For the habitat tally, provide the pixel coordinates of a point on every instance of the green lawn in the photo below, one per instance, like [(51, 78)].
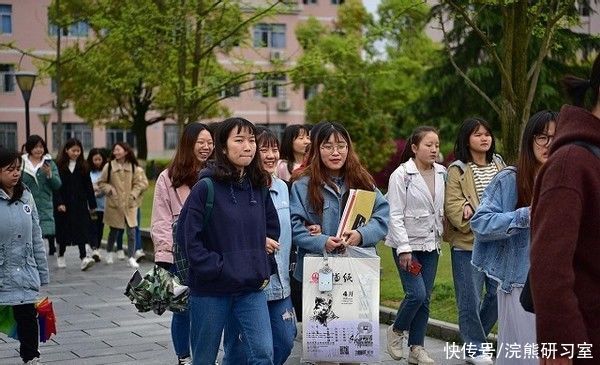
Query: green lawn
[(443, 305)]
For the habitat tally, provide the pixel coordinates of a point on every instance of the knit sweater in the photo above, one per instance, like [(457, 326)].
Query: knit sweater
[(565, 254)]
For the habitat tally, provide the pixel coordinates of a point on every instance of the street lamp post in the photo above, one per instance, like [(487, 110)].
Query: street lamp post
[(44, 118), (26, 80)]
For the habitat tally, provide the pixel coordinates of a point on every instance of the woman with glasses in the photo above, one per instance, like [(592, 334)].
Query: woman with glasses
[(475, 166), (502, 234), (317, 197), (416, 196)]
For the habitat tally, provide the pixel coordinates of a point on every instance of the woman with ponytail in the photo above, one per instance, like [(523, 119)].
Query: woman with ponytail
[(565, 225)]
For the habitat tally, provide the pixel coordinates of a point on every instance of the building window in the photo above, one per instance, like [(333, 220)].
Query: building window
[(269, 35), (276, 128), (270, 86), (5, 19), (53, 85), (7, 79), (232, 91), (8, 135), (583, 7), (81, 131), (307, 2), (171, 136), (337, 2), (114, 135), (310, 91), (77, 29)]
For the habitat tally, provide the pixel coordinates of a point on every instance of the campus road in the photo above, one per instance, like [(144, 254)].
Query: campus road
[(97, 324)]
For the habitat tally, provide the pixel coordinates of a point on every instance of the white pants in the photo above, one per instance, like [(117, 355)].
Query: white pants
[(516, 331)]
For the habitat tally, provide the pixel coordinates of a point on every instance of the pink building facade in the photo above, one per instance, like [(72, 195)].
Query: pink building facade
[(25, 24)]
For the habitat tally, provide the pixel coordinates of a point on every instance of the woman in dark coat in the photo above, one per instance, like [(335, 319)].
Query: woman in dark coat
[(74, 202)]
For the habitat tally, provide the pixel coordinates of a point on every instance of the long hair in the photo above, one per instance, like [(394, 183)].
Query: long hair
[(462, 151), (415, 138), (527, 165), (577, 88), (32, 141), (355, 175), (312, 149), (63, 158), (224, 169), (10, 159), (290, 133), (90, 159), (129, 157), (183, 169)]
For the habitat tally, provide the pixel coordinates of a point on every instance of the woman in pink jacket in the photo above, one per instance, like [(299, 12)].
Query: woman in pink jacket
[(172, 189)]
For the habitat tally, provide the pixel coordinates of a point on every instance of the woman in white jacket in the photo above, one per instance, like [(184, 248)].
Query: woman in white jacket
[(416, 198)]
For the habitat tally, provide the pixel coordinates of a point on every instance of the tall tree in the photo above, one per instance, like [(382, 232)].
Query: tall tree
[(504, 52), (361, 82)]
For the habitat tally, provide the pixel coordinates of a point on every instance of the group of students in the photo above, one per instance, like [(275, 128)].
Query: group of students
[(221, 203), (71, 196)]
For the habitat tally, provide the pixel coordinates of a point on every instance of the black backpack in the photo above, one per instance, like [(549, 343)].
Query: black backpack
[(525, 298)]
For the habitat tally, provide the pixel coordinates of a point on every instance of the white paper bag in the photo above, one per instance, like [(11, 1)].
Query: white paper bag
[(341, 325)]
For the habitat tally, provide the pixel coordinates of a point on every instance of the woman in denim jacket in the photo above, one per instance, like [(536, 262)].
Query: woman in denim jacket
[(23, 263), (416, 196), (502, 234), (317, 198)]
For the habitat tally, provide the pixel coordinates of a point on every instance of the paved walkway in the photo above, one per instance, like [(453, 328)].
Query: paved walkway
[(98, 325)]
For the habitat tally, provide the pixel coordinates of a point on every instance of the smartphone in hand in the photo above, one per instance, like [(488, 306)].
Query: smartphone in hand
[(415, 267)]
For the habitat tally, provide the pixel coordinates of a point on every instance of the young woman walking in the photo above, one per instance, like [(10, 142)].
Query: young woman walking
[(40, 174), (229, 266), (502, 234), (416, 197), (172, 189), (475, 166), (281, 311), (74, 201), (96, 161), (293, 149), (123, 182), (23, 262)]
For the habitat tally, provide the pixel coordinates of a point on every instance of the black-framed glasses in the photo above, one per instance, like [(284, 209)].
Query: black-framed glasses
[(543, 140)]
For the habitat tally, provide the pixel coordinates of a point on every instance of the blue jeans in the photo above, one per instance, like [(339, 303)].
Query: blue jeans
[(413, 313), (209, 314), (180, 333), (283, 329), (476, 315)]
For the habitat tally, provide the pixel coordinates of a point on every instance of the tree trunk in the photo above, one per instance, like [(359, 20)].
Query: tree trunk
[(139, 130), (181, 66)]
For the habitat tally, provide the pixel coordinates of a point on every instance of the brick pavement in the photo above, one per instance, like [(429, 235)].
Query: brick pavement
[(98, 325)]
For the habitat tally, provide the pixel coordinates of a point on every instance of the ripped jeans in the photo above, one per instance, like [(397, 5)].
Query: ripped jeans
[(283, 327)]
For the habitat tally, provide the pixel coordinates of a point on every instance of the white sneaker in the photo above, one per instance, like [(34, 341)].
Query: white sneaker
[(60, 262), (184, 361), (395, 343), (35, 361), (482, 359), (110, 258), (86, 263), (96, 255), (133, 263), (419, 356), (121, 255), (138, 254)]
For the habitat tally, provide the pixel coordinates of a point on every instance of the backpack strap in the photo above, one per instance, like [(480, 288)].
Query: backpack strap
[(588, 146)]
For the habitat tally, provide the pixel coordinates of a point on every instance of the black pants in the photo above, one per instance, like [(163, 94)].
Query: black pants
[(296, 296), (28, 331), (63, 248), (51, 245), (96, 230)]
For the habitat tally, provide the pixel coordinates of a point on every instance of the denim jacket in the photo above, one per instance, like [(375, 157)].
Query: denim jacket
[(23, 263), (501, 247), (304, 214), (279, 285)]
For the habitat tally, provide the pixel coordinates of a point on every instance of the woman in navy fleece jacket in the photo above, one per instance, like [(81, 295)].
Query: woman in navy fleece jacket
[(229, 265)]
